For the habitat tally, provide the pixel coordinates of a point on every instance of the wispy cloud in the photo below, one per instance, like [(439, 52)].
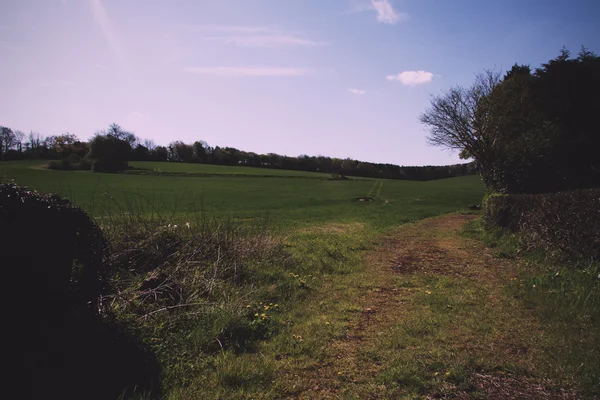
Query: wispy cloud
[(103, 20), (357, 91), (238, 72), (411, 78), (386, 14), (255, 36)]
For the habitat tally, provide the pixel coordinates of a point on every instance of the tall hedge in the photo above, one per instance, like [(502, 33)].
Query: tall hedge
[(567, 222)]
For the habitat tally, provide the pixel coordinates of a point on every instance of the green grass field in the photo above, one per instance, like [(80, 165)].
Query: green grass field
[(334, 297), (289, 198), (320, 233)]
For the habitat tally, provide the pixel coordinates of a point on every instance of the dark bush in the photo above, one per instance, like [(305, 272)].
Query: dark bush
[(110, 152), (61, 344), (108, 165), (564, 222), (85, 164), (74, 158), (60, 165)]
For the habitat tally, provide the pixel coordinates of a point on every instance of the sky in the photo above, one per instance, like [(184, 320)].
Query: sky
[(339, 78)]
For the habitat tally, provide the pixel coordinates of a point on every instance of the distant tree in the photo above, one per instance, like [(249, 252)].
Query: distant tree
[(149, 144), (121, 134), (181, 152), (160, 153), (110, 153), (34, 143), (63, 144), (200, 151), (141, 153), (7, 140), (19, 138)]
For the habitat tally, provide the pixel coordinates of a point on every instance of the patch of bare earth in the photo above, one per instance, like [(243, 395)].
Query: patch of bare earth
[(430, 247)]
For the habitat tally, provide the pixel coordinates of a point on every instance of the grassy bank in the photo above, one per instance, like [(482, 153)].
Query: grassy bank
[(564, 295)]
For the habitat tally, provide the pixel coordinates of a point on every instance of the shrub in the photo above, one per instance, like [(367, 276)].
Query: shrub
[(62, 344), (74, 158), (108, 165), (85, 164), (110, 152), (60, 165), (564, 222)]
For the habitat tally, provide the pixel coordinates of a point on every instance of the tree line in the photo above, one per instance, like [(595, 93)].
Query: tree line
[(110, 150), (528, 131)]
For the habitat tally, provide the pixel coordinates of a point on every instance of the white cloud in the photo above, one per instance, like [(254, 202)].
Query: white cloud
[(411, 78), (385, 12), (237, 72), (357, 91), (254, 36)]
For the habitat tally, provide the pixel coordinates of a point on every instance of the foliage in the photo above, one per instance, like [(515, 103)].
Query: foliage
[(7, 138), (454, 121), (84, 164), (564, 222), (61, 165), (527, 132), (564, 294), (125, 146), (110, 153), (73, 162)]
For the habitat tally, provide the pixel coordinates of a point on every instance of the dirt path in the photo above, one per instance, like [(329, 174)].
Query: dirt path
[(433, 319)]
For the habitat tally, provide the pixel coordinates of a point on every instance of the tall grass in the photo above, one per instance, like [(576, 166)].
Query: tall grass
[(196, 287), (564, 293)]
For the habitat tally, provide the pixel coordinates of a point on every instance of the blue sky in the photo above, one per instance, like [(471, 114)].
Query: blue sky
[(341, 78)]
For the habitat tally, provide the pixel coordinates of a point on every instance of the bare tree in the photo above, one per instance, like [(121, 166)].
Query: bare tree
[(35, 141), (149, 144), (458, 119), (19, 137), (7, 140)]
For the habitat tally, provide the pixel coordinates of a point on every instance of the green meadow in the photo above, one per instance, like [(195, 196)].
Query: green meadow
[(293, 285), (287, 198), (302, 285)]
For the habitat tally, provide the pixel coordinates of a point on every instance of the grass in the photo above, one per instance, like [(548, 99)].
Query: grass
[(222, 347), (298, 202), (285, 285), (564, 295), (185, 168)]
